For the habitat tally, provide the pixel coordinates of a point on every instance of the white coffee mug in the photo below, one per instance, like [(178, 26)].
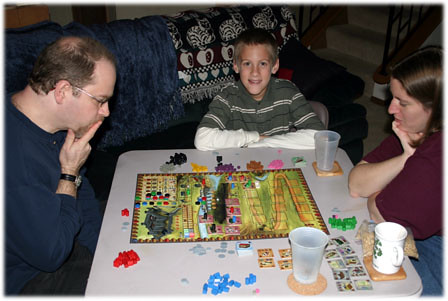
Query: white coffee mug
[(388, 251)]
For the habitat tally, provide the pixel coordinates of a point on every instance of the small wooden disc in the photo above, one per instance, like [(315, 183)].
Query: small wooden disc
[(307, 289)]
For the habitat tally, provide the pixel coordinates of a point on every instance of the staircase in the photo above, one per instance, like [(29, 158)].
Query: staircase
[(357, 43)]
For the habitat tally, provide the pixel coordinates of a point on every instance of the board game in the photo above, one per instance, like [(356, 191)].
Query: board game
[(217, 206)]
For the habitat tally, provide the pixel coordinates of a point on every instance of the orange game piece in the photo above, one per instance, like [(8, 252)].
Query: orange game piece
[(254, 165)]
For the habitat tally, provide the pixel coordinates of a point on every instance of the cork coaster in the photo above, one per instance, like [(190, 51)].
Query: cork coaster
[(336, 171), (307, 289), (377, 276)]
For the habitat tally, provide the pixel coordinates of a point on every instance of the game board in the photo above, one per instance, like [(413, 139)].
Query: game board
[(215, 206)]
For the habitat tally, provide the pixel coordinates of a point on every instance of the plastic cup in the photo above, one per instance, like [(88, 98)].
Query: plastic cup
[(326, 144), (308, 246)]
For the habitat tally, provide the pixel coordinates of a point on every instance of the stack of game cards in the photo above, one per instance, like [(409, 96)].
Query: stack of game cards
[(347, 269)]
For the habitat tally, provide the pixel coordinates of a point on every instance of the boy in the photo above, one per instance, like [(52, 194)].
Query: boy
[(258, 111)]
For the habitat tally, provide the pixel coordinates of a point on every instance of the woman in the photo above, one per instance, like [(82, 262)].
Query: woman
[(402, 178)]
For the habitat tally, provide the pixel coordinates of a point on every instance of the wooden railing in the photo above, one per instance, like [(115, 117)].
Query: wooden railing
[(408, 30), (305, 22), (316, 20)]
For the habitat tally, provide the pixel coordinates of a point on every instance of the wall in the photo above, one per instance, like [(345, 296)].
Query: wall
[(435, 39), (138, 11), (61, 14)]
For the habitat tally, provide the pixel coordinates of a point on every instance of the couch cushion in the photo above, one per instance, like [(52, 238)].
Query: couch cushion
[(193, 112), (22, 46), (354, 130), (204, 43), (346, 114), (340, 90), (146, 95), (354, 150), (310, 72)]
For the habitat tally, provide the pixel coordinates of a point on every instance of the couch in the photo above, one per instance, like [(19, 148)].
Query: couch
[(169, 69)]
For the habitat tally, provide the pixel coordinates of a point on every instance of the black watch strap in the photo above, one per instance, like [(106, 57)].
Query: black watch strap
[(71, 178)]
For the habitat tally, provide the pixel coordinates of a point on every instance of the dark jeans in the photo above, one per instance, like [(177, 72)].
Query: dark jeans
[(429, 266), (69, 279)]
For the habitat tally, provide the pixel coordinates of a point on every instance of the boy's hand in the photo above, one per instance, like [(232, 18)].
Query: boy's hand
[(75, 151)]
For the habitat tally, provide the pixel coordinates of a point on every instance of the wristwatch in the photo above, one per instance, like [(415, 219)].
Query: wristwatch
[(75, 179)]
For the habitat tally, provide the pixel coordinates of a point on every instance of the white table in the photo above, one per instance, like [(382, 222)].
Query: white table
[(172, 269)]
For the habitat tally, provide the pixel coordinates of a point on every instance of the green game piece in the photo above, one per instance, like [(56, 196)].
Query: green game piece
[(298, 161)]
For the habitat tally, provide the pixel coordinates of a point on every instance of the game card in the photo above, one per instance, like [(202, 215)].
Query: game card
[(285, 264), (285, 253), (232, 202), (339, 241), (345, 250), (341, 275), (209, 219), (351, 260), (336, 264), (244, 248), (345, 286), (216, 229), (263, 253), (362, 285), (266, 263), (357, 271), (233, 211), (331, 253), (232, 230), (235, 220)]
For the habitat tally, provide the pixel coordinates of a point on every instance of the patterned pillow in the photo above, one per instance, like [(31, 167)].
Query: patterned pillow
[(204, 43)]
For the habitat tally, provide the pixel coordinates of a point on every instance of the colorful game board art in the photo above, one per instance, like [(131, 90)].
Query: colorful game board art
[(241, 205)]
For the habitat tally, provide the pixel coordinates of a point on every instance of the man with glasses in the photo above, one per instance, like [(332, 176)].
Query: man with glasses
[(52, 217)]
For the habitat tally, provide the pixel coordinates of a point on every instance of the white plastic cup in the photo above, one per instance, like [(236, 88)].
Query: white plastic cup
[(388, 254), (308, 246), (326, 144)]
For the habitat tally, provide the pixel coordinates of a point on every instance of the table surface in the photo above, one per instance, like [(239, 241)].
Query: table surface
[(172, 269)]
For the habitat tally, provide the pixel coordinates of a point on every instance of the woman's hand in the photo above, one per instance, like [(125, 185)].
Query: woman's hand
[(405, 138)]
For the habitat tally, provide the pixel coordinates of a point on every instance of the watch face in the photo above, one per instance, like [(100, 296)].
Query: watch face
[(78, 181)]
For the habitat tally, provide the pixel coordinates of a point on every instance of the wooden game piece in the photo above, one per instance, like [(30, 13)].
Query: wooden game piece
[(254, 166)]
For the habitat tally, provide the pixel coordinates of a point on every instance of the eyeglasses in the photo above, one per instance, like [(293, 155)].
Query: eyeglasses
[(100, 101)]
